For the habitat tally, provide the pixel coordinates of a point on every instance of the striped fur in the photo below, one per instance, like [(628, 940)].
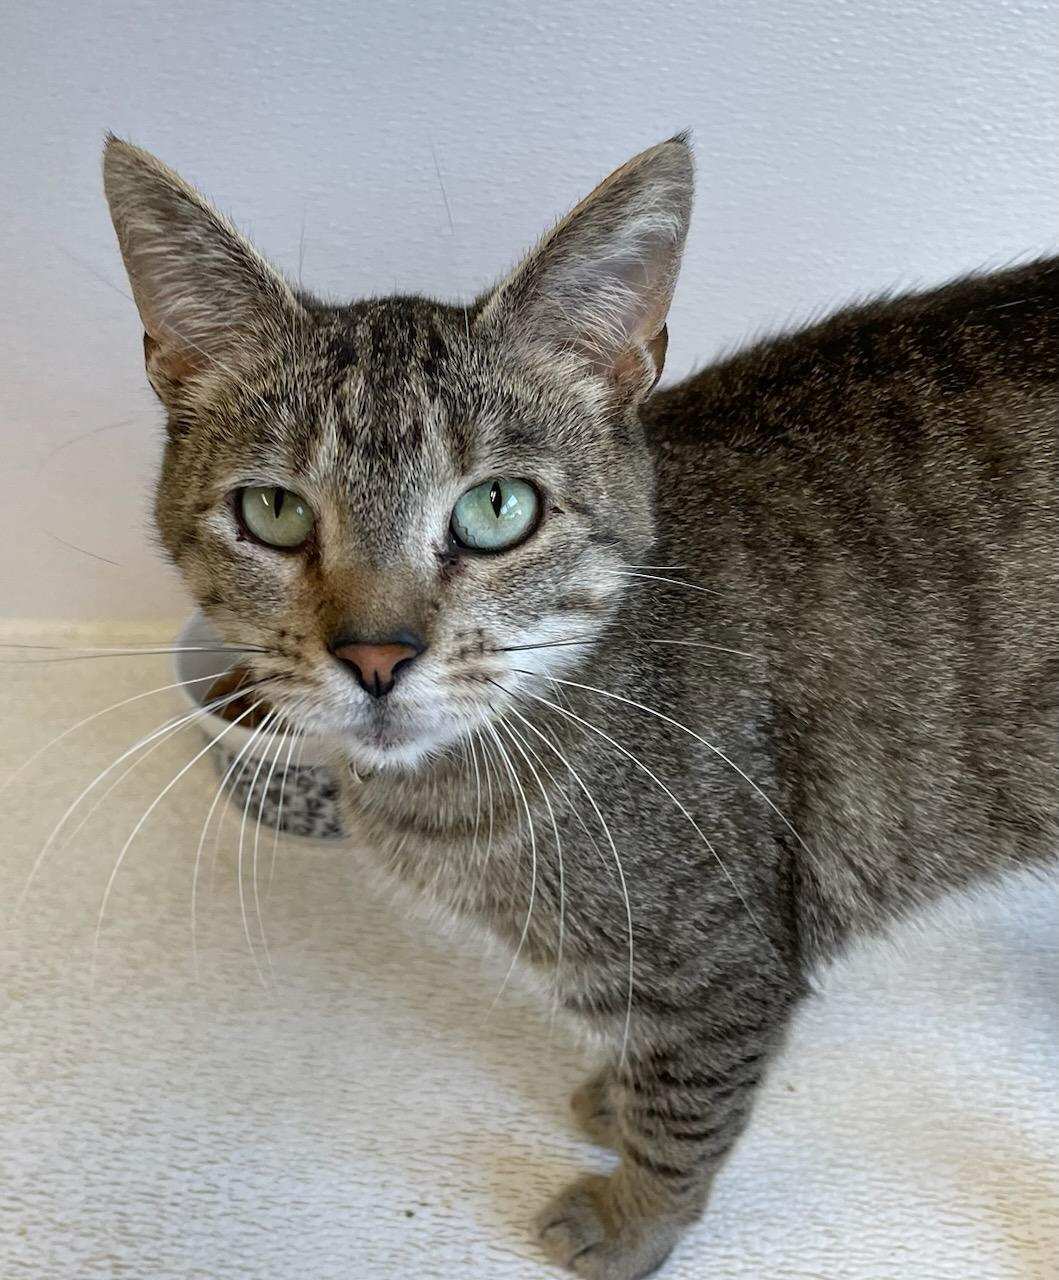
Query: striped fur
[(780, 664)]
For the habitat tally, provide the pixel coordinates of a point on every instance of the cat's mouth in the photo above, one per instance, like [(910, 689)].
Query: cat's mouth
[(399, 741), (388, 735)]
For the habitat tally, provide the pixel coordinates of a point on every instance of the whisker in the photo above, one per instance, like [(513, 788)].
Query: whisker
[(559, 644), (495, 759), (617, 862), (561, 696), (301, 247), (477, 792), (487, 761), (72, 546), (83, 435), (702, 644), (544, 644), (660, 715), (533, 862), (133, 648), (294, 739), (223, 789), (268, 722), (282, 730), (81, 655), (167, 728), (676, 582), (522, 749), (575, 811), (441, 184), (98, 804), (143, 820), (219, 832), (114, 706), (629, 755)]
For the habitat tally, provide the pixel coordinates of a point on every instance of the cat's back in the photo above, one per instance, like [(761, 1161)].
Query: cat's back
[(901, 438), (910, 368)]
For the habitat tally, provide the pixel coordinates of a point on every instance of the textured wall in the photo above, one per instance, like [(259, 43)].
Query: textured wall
[(843, 148)]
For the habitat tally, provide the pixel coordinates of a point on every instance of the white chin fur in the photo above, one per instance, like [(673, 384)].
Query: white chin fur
[(404, 756), (406, 752)]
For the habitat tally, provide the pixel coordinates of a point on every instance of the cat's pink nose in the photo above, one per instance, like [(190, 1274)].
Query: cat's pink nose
[(377, 666)]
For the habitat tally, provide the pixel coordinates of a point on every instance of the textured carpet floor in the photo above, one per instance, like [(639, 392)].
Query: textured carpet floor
[(365, 1118)]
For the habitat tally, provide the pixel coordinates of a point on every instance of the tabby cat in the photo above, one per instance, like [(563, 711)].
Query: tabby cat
[(676, 692)]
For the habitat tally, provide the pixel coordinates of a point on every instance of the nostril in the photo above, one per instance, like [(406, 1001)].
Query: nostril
[(377, 665)]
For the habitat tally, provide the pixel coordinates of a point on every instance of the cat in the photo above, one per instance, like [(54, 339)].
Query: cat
[(676, 692)]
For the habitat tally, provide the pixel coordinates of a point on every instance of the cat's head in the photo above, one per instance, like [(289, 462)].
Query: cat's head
[(398, 502)]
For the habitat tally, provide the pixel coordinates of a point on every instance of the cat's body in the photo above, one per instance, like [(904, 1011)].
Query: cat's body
[(793, 666), (880, 505)]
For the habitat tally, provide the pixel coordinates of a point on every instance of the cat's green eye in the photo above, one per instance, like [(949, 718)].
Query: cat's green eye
[(495, 514), (275, 516)]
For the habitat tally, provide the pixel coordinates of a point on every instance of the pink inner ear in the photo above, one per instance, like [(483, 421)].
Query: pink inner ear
[(605, 294), (173, 362), (634, 370), (656, 349)]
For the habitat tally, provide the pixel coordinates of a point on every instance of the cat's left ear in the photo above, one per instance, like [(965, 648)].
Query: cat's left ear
[(203, 292), (597, 289)]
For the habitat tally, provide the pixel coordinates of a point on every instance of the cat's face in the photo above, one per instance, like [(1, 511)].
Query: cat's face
[(466, 484), (380, 418)]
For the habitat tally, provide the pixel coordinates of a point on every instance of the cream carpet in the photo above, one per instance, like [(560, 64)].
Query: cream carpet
[(364, 1117)]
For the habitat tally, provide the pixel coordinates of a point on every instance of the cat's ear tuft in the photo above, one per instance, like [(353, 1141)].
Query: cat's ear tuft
[(598, 286), (200, 286)]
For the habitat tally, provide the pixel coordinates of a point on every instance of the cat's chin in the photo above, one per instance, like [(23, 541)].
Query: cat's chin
[(396, 758), (398, 749)]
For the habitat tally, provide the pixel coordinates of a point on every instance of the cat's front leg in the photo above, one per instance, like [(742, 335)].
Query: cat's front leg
[(594, 1110), (678, 1108)]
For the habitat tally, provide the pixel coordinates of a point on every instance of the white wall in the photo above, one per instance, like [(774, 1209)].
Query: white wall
[(844, 146)]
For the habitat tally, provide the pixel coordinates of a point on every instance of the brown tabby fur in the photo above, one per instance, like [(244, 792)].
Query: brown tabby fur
[(780, 663)]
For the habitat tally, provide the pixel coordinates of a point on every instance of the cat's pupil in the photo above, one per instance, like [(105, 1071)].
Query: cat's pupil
[(279, 496), (496, 499)]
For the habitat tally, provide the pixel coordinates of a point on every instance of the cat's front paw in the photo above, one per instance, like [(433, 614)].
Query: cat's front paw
[(584, 1229)]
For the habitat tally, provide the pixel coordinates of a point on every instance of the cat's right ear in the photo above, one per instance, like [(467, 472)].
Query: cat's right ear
[(591, 300), (200, 286)]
